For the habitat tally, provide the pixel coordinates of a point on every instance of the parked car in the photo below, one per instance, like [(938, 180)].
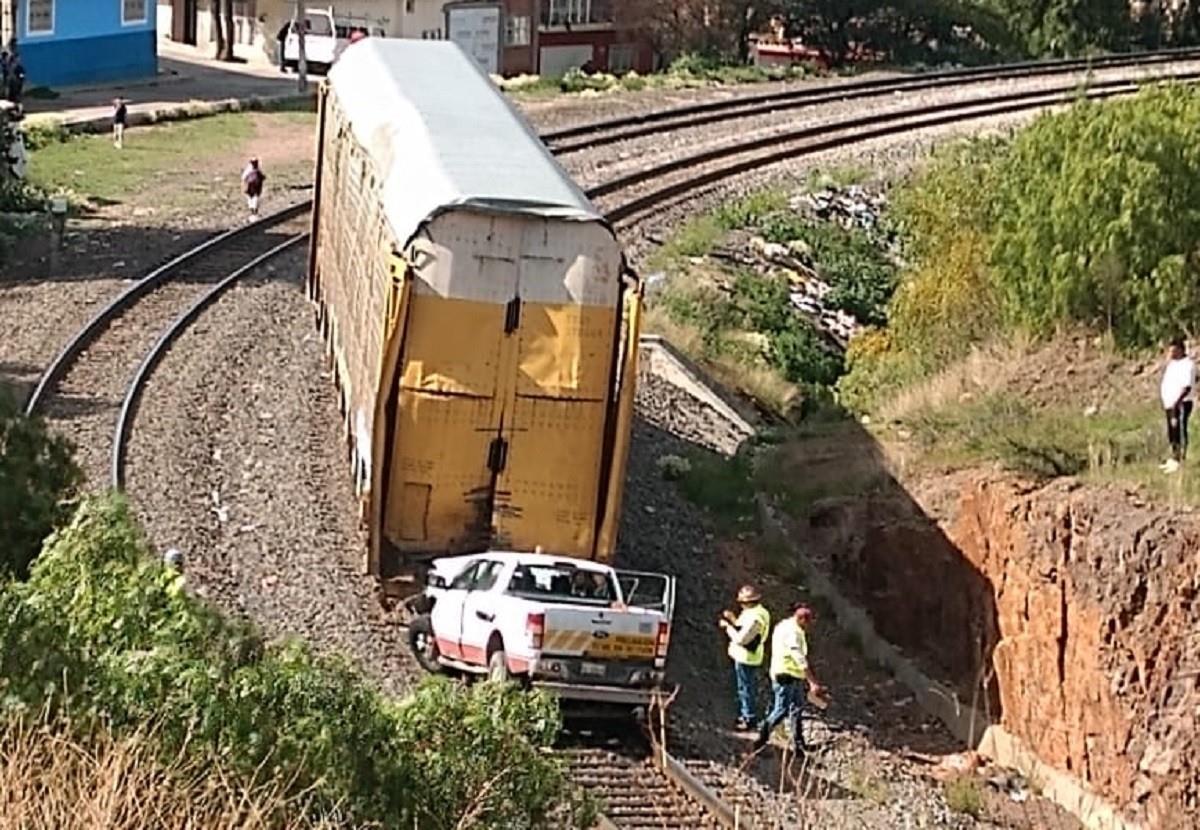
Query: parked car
[(578, 629), (326, 36)]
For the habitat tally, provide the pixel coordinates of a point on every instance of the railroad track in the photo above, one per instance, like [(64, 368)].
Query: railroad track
[(610, 131), (641, 787), (104, 365)]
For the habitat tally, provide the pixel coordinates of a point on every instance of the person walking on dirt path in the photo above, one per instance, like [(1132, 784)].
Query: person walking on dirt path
[(252, 183), (281, 40), (120, 117), (791, 678), (747, 633), (1178, 378)]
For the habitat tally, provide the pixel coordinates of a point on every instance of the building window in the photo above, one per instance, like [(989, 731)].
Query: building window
[(410, 6), (133, 11), (40, 17), (576, 12), (516, 31)]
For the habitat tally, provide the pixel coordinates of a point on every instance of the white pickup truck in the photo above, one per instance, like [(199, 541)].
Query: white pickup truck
[(326, 36), (578, 629)]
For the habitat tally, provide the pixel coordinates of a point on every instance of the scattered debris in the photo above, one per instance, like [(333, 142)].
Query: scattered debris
[(849, 207)]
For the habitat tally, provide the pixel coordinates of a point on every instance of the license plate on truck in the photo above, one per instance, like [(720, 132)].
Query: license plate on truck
[(592, 669)]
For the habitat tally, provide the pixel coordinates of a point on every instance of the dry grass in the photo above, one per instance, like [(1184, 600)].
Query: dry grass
[(51, 780), (985, 370), (761, 383)]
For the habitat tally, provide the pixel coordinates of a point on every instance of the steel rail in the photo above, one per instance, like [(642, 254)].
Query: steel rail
[(715, 111), (79, 342), (867, 128), (133, 392), (651, 787)]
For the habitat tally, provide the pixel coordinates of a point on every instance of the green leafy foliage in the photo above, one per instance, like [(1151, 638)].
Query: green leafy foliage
[(748, 211), (760, 307), (861, 277), (1068, 27), (1097, 218), (1087, 217), (37, 478), (106, 633), (724, 487)]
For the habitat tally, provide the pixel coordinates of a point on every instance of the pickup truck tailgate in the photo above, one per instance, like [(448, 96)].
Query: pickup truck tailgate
[(601, 633)]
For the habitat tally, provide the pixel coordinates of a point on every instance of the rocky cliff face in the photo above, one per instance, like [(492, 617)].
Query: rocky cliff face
[(1067, 612)]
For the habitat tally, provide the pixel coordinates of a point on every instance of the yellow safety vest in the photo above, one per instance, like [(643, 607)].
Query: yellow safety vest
[(762, 621), (789, 650)]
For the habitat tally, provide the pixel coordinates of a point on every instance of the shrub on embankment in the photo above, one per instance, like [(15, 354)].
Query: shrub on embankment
[(104, 635), (1089, 216), (37, 476)]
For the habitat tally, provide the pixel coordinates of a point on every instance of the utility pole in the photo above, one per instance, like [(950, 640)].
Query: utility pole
[(10, 10), (301, 61)]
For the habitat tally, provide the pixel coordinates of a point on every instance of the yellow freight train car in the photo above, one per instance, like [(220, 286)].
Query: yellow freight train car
[(480, 319)]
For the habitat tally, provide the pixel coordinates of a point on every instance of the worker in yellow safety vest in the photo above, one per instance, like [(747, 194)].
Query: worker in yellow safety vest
[(747, 633), (791, 677)]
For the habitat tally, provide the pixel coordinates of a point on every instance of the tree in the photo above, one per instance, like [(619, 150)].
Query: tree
[(1068, 27), (37, 477), (1096, 218)]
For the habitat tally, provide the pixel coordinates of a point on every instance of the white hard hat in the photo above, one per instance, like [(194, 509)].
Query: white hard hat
[(173, 558)]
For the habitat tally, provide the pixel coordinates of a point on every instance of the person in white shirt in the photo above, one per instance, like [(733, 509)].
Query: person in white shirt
[(1177, 381)]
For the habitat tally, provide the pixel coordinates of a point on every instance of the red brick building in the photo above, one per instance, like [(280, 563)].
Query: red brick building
[(548, 37)]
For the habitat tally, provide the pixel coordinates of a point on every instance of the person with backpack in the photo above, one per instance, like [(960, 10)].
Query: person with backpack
[(252, 183), (747, 634)]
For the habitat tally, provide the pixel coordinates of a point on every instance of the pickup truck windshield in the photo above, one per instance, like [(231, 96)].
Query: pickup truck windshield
[(563, 583)]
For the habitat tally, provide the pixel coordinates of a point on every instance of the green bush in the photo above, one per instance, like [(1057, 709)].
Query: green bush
[(1097, 220), (106, 633), (751, 210), (45, 133), (861, 277), (723, 487), (37, 479), (576, 80), (964, 795)]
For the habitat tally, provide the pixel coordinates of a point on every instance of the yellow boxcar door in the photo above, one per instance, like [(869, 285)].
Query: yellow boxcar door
[(548, 491), (449, 409)]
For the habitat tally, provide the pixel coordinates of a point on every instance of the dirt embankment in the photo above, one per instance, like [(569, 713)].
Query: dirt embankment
[(1067, 612)]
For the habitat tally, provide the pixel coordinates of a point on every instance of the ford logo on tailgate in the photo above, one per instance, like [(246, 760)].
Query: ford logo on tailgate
[(600, 635)]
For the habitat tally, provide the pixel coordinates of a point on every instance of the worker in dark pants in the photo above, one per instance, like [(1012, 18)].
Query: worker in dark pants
[(16, 78), (1177, 381), (791, 678), (281, 41)]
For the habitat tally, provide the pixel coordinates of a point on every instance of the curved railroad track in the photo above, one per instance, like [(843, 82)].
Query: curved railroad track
[(610, 131), (93, 374), (104, 367)]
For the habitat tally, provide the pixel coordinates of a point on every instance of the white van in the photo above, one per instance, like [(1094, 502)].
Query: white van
[(326, 35)]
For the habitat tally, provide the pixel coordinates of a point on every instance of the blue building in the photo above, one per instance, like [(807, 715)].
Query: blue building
[(71, 42)]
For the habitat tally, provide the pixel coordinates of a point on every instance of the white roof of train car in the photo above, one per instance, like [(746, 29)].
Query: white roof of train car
[(443, 136)]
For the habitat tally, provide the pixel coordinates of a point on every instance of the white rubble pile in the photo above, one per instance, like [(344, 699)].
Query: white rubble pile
[(852, 207)]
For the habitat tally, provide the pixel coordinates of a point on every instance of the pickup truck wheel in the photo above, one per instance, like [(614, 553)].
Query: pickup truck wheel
[(424, 644), (498, 667)]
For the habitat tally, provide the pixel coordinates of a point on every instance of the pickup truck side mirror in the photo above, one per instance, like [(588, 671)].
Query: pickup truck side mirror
[(435, 580)]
